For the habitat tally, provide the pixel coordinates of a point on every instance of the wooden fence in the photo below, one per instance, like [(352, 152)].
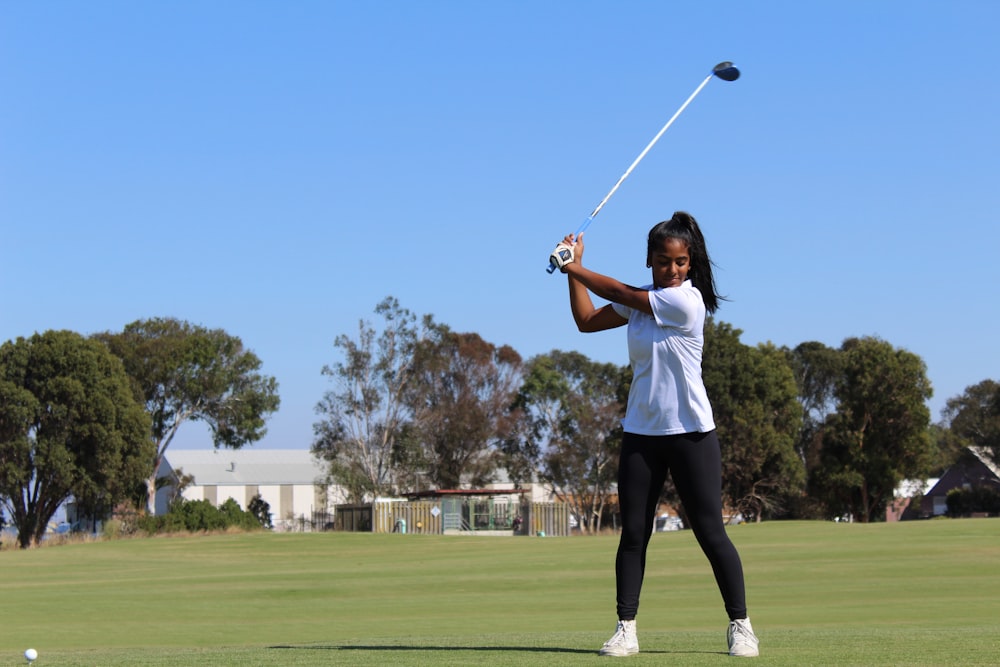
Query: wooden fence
[(452, 516), (547, 519), (407, 517)]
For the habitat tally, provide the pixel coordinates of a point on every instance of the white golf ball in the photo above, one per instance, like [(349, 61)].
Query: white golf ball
[(31, 655)]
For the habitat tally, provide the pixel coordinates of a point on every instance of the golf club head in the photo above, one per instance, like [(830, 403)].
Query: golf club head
[(726, 71)]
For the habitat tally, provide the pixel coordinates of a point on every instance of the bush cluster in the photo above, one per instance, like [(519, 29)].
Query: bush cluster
[(201, 516), (975, 500)]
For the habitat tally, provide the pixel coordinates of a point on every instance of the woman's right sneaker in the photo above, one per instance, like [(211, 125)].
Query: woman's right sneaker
[(742, 641), (623, 642)]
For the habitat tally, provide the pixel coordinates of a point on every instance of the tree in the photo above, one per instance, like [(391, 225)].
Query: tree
[(949, 447), (816, 368), (757, 415), (261, 510), (69, 427), (574, 408), (974, 417), (362, 435), (879, 434), (184, 372), (460, 403)]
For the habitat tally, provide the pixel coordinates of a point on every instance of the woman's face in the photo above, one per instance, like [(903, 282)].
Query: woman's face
[(670, 263)]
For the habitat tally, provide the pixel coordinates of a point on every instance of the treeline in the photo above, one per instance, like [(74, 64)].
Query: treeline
[(808, 432), (90, 418)]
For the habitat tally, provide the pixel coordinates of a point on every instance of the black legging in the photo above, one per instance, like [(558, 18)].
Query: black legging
[(695, 464)]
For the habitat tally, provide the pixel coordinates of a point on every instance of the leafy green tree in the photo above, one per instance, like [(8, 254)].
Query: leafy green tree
[(880, 432), (758, 417), (574, 408), (261, 510), (517, 451), (948, 448), (460, 404), (184, 372), (536, 405), (69, 427), (974, 418), (816, 368), (361, 435)]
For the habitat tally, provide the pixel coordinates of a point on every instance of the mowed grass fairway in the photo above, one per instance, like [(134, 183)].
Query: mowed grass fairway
[(918, 593)]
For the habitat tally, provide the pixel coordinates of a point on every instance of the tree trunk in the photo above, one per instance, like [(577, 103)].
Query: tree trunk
[(151, 494), (26, 535), (27, 542), (865, 505), (151, 483)]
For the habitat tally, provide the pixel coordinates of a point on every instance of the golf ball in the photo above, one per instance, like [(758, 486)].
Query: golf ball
[(31, 654)]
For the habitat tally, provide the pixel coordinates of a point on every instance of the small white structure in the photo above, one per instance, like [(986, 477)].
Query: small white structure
[(290, 481)]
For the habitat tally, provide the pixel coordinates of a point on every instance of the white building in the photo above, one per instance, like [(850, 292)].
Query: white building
[(290, 481)]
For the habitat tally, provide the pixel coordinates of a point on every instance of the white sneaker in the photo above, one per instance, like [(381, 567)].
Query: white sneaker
[(623, 642), (742, 641)]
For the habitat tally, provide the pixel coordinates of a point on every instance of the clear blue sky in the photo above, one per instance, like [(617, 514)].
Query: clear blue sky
[(275, 169)]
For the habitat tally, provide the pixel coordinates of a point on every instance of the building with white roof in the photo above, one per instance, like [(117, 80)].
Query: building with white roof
[(291, 481)]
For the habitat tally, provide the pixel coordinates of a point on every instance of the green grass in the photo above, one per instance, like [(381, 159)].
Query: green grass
[(918, 593)]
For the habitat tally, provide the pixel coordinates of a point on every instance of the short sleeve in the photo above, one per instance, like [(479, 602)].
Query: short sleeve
[(679, 307), (624, 311)]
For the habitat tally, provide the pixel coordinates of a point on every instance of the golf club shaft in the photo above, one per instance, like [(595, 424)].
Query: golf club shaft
[(725, 71), (590, 218)]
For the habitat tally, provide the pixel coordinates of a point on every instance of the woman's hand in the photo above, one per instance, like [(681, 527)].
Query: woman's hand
[(567, 252), (577, 243)]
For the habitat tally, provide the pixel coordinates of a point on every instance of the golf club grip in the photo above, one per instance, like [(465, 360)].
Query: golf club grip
[(579, 230)]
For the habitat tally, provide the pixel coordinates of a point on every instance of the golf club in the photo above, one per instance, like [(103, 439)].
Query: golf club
[(725, 71)]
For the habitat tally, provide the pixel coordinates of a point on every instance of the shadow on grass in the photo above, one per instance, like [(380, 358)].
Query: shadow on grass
[(502, 649), (406, 647)]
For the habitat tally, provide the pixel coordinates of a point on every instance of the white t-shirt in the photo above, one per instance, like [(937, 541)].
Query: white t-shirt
[(667, 394)]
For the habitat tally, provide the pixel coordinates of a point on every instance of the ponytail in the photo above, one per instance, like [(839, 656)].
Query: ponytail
[(683, 227)]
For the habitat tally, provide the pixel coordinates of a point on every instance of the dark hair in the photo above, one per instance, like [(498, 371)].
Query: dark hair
[(684, 228)]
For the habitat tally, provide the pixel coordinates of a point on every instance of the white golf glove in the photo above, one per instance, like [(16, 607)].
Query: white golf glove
[(561, 256)]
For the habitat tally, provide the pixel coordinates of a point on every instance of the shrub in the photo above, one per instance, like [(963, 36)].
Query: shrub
[(235, 517), (200, 516), (261, 509), (127, 518), (112, 529), (978, 499)]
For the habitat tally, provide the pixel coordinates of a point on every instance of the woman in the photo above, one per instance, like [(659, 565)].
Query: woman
[(668, 421)]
